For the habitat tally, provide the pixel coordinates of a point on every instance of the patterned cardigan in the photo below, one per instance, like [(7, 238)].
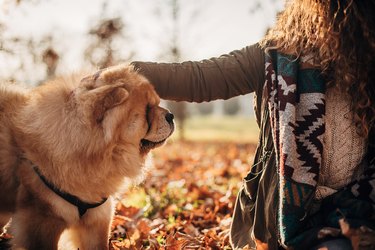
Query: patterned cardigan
[(276, 205)]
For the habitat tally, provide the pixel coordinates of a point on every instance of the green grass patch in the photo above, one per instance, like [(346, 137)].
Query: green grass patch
[(219, 128)]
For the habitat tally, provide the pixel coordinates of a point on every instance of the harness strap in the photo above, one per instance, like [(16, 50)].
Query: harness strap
[(72, 199)]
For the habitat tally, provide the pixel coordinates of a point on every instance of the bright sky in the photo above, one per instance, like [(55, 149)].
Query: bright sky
[(207, 27)]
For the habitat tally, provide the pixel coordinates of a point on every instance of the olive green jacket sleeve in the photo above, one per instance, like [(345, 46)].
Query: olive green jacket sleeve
[(237, 73)]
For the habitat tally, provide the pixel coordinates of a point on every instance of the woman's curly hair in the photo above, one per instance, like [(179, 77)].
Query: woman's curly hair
[(341, 33)]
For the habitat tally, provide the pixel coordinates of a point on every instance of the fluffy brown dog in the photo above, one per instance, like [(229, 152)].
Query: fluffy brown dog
[(69, 145)]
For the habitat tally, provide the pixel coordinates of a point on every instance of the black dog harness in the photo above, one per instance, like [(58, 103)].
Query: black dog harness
[(72, 199)]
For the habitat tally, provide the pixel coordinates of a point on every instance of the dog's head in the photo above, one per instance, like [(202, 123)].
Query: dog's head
[(126, 107), (110, 119)]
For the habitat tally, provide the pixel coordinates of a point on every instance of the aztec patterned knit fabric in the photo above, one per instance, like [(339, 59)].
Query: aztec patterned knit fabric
[(296, 101)]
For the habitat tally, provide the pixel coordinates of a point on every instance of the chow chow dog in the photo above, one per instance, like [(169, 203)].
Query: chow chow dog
[(68, 146)]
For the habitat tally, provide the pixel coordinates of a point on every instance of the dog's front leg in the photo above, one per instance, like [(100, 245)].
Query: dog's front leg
[(92, 231), (34, 225)]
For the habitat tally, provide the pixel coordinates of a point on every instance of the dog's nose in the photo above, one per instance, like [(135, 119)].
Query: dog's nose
[(169, 117)]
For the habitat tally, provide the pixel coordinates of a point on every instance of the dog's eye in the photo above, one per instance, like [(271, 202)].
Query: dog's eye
[(148, 108), (148, 115), (89, 87)]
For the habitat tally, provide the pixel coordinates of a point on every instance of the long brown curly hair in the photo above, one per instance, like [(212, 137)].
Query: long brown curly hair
[(341, 33)]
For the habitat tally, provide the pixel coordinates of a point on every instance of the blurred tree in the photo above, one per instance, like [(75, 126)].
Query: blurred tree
[(205, 108), (177, 108), (51, 59), (43, 53), (101, 51), (36, 58), (40, 52), (174, 50), (231, 106), (176, 19)]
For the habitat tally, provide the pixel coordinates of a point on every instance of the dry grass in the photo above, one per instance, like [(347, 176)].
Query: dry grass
[(220, 128)]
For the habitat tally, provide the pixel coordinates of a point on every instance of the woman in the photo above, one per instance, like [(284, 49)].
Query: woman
[(313, 75)]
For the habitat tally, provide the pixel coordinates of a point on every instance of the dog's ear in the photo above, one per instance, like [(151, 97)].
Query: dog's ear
[(105, 98)]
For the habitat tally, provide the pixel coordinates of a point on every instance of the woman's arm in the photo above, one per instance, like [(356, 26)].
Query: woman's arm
[(237, 73)]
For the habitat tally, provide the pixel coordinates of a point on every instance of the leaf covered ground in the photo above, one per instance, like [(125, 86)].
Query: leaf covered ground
[(187, 199)]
